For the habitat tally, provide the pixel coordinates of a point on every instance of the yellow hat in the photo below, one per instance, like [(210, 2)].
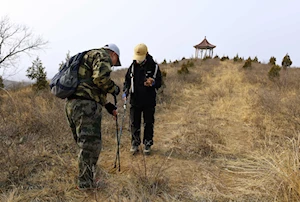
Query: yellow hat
[(140, 52)]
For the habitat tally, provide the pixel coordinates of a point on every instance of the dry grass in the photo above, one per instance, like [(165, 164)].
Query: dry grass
[(222, 133)]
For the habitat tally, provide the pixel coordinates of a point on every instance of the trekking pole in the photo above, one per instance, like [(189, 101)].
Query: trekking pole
[(120, 134), (118, 139), (123, 118)]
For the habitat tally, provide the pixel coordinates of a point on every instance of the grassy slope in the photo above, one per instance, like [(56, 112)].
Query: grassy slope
[(221, 133)]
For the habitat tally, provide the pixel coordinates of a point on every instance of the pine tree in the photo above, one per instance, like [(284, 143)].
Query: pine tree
[(255, 59), (37, 72), (272, 61), (286, 62)]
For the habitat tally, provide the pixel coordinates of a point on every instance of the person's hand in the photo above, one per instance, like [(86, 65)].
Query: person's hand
[(115, 114), (111, 108), (117, 90), (149, 82)]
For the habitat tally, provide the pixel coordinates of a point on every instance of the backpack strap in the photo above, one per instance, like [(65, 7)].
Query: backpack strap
[(131, 77), (155, 72), (85, 56)]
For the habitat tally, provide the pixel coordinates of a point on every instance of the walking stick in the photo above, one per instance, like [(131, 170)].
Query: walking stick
[(118, 139), (119, 136)]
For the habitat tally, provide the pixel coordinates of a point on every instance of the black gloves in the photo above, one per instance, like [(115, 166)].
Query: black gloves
[(117, 90), (110, 108)]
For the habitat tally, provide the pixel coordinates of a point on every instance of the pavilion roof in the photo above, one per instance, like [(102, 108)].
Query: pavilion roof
[(204, 45)]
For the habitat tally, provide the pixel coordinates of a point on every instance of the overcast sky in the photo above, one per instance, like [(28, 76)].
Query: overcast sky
[(169, 28)]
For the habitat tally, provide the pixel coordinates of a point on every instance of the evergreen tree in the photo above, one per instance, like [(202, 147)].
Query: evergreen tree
[(274, 73), (37, 72), (255, 59), (272, 61), (286, 61)]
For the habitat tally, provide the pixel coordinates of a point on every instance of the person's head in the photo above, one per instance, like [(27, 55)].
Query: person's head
[(140, 53), (114, 53)]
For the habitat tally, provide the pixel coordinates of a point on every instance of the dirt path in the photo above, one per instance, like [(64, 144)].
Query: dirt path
[(208, 121)]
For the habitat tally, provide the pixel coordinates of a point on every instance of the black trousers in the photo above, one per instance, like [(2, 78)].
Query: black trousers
[(135, 118)]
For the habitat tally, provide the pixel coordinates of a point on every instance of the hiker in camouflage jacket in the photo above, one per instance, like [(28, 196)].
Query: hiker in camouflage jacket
[(83, 108)]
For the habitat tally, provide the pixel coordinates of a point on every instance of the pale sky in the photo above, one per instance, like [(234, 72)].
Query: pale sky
[(170, 28)]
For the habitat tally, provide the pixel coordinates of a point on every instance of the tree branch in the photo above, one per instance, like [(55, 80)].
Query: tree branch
[(15, 40)]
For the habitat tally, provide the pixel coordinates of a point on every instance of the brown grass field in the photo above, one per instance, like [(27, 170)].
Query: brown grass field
[(222, 133)]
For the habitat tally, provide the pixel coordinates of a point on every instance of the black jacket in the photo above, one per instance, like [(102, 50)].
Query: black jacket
[(141, 95)]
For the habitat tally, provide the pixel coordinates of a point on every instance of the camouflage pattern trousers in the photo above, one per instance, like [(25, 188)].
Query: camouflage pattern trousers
[(84, 118)]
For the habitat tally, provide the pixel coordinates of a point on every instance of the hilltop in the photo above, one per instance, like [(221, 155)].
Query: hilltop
[(222, 133)]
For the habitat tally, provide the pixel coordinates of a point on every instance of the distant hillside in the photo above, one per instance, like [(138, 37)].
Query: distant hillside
[(9, 84)]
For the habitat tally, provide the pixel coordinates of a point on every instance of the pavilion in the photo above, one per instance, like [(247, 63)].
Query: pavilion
[(204, 45)]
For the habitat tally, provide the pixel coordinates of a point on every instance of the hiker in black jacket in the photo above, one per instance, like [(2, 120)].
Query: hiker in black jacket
[(142, 80)]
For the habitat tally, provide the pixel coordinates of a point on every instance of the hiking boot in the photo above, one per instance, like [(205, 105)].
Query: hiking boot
[(96, 185), (134, 149), (84, 188), (147, 149)]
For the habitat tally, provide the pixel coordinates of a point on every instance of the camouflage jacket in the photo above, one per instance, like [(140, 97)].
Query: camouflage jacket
[(94, 74)]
